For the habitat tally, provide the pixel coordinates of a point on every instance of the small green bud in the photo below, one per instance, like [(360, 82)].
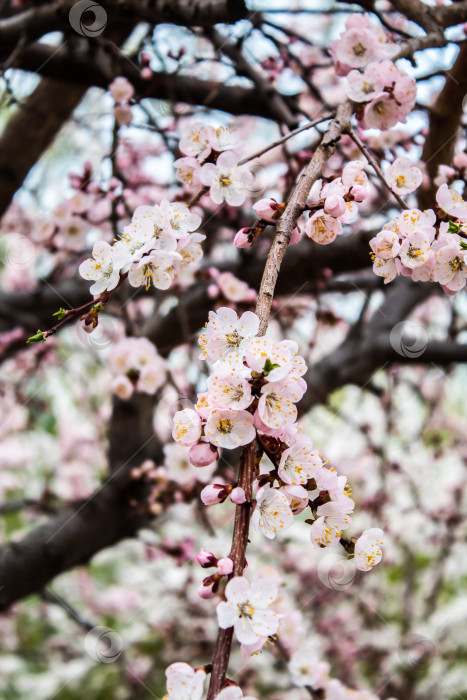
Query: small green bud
[(60, 314), (463, 245), (97, 308), (38, 338), (453, 227), (269, 366)]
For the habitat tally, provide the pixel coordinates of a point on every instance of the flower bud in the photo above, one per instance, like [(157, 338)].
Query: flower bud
[(241, 239), (206, 592), (334, 205), (268, 209), (215, 493), (206, 559), (359, 193), (203, 454), (238, 495), (225, 566)]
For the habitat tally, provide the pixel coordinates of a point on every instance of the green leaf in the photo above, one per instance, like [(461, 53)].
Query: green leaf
[(453, 227), (464, 245), (269, 366), (61, 313), (38, 338)]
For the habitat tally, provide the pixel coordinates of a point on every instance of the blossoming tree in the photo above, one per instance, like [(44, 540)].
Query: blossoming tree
[(268, 204)]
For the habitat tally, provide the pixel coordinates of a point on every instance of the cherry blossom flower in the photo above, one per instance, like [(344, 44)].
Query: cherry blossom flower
[(222, 138), (226, 179), (122, 387), (73, 232), (450, 268), (403, 177), (121, 90), (225, 333), (306, 670), (203, 454), (184, 683), (104, 267), (181, 220), (415, 248), (356, 47), (451, 202), (382, 112), (272, 512), (323, 228), (332, 519), (228, 389), (385, 244), (229, 429), (363, 87), (149, 230), (335, 205), (194, 142), (298, 463), (234, 289), (157, 267), (181, 470), (275, 360), (186, 427), (387, 269), (297, 497), (233, 692), (188, 171), (368, 549), (276, 406), (246, 609)]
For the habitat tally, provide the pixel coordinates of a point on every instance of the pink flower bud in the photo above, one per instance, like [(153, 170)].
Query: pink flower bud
[(238, 495), (241, 239), (122, 114), (225, 566), (359, 193), (335, 205), (206, 559), (202, 454), (215, 493), (268, 209), (206, 592), (295, 235), (460, 160), (146, 73), (213, 291)]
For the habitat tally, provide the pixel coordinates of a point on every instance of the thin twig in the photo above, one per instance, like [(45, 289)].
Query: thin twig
[(374, 163)]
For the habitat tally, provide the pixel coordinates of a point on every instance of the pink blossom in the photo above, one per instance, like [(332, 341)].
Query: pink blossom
[(368, 550), (123, 115), (206, 590), (206, 559), (203, 454), (238, 495), (356, 47), (121, 90), (451, 202), (403, 177), (335, 205), (382, 112), (225, 566), (385, 244), (323, 228), (212, 494)]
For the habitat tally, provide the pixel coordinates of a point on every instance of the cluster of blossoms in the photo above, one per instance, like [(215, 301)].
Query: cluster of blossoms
[(428, 246), (386, 93), (211, 160), (337, 203), (187, 683), (157, 244), (252, 393), (136, 366)]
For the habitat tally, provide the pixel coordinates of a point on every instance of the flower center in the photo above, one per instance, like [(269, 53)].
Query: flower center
[(233, 339), (245, 610), (359, 49), (400, 181), (224, 426), (456, 264), (225, 180)]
